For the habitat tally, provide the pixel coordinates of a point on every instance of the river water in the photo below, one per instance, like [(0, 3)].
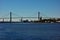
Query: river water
[(29, 31)]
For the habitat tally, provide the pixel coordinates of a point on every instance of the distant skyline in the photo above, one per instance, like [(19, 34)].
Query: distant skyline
[(30, 8)]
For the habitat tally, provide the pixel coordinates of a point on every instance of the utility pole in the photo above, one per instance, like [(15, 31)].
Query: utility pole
[(10, 17)]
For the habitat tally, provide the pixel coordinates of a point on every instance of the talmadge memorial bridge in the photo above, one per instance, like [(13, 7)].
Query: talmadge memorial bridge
[(37, 19)]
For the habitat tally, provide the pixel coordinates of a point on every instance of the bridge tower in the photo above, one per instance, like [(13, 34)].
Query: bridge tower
[(39, 17), (10, 16)]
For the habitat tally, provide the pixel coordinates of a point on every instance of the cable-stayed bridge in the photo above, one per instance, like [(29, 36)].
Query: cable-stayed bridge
[(29, 19)]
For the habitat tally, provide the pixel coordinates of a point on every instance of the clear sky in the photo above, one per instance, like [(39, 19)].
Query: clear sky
[(29, 8)]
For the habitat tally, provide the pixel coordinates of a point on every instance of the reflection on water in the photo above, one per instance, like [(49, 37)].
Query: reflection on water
[(29, 31)]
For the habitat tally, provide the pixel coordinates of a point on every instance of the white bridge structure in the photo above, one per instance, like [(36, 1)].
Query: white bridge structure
[(20, 19)]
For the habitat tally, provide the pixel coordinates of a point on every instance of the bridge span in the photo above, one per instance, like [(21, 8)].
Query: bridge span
[(37, 19)]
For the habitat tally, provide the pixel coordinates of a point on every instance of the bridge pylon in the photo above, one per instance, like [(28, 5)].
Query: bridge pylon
[(10, 16)]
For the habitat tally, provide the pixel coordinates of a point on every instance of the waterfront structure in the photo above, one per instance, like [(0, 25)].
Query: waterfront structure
[(40, 19)]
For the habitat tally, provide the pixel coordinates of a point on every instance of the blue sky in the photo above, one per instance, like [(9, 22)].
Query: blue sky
[(29, 8)]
